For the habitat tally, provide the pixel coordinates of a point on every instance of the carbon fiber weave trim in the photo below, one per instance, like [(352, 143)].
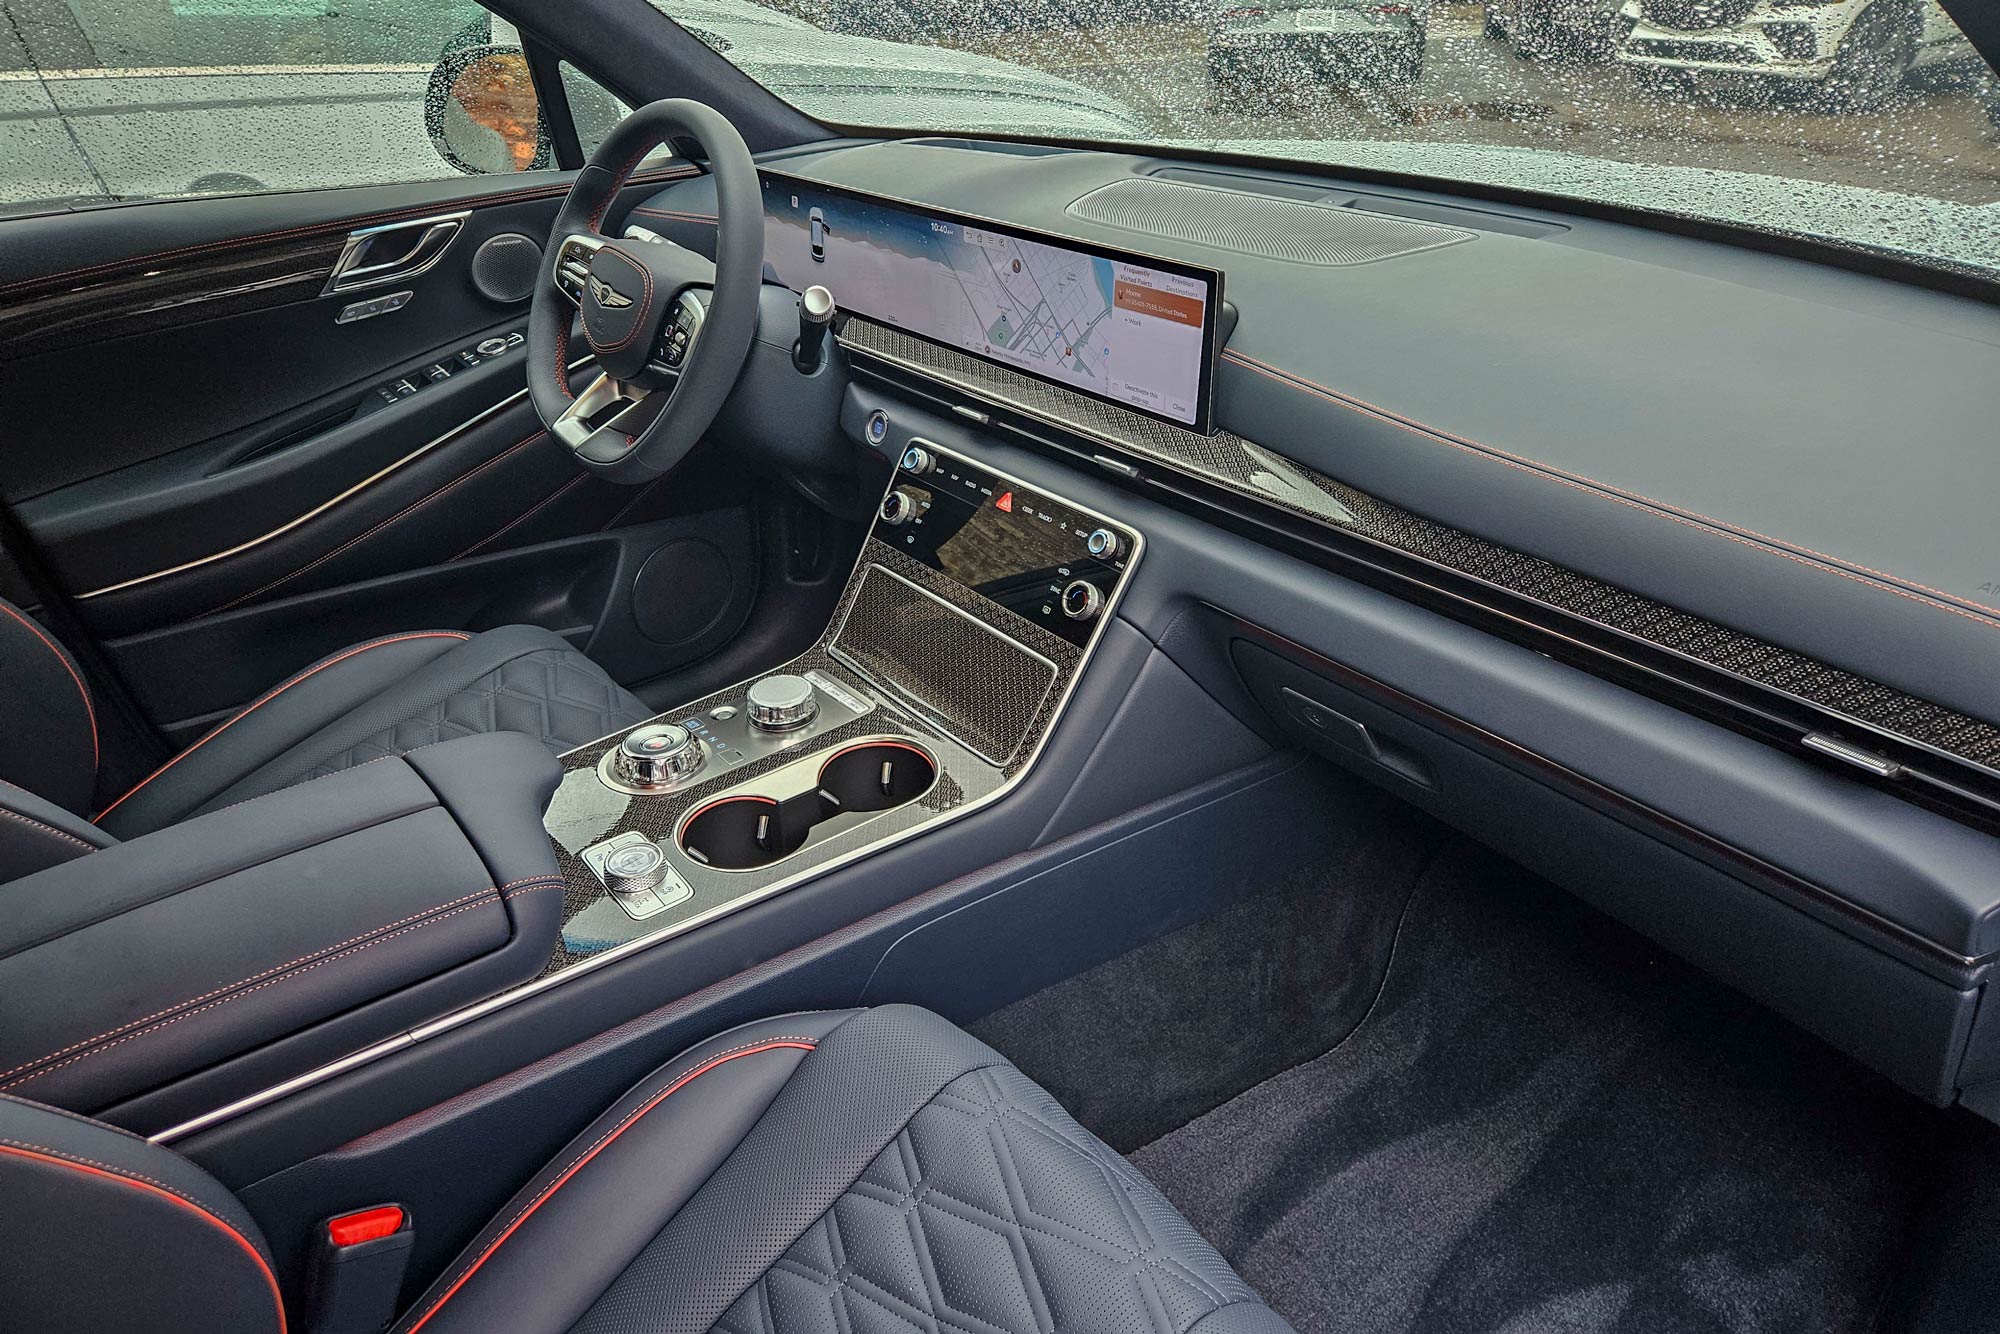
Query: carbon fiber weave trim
[(1230, 461)]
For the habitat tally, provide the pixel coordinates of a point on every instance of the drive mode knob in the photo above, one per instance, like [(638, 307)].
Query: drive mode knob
[(1081, 600), (658, 755), (635, 867), (781, 703)]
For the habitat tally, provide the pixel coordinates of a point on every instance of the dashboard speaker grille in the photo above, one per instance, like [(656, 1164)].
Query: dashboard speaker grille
[(1253, 224), (981, 686)]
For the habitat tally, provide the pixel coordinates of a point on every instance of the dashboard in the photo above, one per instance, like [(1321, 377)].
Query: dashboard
[(1135, 330), (1591, 538)]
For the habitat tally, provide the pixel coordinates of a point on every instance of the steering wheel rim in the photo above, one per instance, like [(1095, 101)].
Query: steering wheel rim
[(643, 412)]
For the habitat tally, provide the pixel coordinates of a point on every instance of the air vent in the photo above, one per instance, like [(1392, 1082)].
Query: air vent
[(1252, 224)]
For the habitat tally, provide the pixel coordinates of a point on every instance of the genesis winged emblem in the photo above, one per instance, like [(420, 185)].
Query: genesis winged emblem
[(608, 296)]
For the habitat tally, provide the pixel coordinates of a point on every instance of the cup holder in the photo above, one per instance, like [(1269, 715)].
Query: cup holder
[(876, 777), (744, 832)]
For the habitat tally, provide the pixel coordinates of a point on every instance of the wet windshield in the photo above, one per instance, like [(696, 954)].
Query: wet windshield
[(1868, 122)]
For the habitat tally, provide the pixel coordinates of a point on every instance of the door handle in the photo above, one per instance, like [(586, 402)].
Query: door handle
[(393, 252)]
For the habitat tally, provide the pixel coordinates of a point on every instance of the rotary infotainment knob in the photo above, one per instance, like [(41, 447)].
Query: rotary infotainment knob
[(782, 703), (1082, 600), (658, 755), (898, 508), (1103, 544)]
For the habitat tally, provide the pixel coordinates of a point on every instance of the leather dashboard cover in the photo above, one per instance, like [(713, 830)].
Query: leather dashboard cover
[(248, 945)]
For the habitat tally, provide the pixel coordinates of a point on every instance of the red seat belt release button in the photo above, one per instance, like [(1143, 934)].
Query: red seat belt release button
[(367, 1225), (358, 1260)]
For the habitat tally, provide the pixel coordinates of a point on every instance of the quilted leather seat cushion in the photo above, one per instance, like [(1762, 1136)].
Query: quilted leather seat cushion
[(385, 697), (855, 1172)]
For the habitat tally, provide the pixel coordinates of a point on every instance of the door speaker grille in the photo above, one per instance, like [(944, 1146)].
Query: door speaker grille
[(1252, 224)]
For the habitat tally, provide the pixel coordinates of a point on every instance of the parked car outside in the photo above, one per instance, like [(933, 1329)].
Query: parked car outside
[(153, 116), (1572, 32), (1307, 47), (1843, 55)]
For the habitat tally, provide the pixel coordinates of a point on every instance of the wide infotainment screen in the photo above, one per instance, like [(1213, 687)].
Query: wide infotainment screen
[(1137, 331)]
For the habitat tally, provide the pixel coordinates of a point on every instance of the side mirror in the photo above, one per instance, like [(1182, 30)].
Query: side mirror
[(482, 112)]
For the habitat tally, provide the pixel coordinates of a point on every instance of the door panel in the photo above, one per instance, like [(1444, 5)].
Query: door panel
[(228, 483)]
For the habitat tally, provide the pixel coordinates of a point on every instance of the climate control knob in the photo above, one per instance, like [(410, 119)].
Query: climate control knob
[(782, 703), (1082, 600), (658, 755), (898, 507)]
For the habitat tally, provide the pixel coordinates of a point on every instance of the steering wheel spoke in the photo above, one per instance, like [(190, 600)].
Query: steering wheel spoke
[(632, 408)]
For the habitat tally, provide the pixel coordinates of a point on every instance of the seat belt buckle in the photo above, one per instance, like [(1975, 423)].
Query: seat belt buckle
[(358, 1261)]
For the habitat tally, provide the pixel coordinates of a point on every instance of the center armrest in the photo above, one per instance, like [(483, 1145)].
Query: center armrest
[(223, 955)]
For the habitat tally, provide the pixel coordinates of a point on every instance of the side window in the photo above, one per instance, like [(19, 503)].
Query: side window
[(139, 99)]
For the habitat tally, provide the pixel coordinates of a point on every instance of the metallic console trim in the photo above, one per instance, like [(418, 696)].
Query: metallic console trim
[(618, 953), (324, 506)]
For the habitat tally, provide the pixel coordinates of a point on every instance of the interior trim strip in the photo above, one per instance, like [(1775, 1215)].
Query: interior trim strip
[(492, 1004), (324, 506)]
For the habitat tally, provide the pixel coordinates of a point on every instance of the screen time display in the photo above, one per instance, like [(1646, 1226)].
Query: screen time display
[(1137, 331)]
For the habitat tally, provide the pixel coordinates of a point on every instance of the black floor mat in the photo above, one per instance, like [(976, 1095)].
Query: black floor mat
[(1152, 1039), (1419, 1089), (1545, 1125)]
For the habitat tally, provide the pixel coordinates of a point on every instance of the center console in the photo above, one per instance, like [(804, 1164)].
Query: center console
[(975, 604)]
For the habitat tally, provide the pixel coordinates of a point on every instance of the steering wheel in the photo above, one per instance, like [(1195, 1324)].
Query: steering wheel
[(669, 330)]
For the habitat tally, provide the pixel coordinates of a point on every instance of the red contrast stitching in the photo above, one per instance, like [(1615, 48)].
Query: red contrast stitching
[(307, 229), (370, 940), (195, 1000), (351, 542), (1700, 523), (562, 355), (674, 215), (47, 829), (42, 1153), (537, 508), (63, 658), (618, 180), (273, 694), (578, 1163)]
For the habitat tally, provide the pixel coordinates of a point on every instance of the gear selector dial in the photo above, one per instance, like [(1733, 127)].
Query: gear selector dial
[(782, 703)]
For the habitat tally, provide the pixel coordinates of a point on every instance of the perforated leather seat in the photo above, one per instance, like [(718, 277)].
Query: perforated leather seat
[(384, 697), (851, 1172)]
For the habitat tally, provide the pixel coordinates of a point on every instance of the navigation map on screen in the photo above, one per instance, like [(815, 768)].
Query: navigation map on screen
[(1120, 329)]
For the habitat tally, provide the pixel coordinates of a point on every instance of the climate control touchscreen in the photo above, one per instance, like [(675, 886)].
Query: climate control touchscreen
[(1037, 557), (1135, 330)]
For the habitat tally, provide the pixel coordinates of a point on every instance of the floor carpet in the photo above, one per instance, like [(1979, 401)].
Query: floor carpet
[(1422, 1090)]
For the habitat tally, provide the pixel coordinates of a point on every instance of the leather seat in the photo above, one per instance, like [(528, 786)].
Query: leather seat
[(850, 1172), (384, 697)]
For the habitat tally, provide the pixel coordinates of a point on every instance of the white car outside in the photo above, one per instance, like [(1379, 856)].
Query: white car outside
[(1865, 47)]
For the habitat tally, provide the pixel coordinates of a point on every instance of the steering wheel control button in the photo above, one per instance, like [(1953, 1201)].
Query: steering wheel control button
[(1103, 544), (658, 755), (877, 429), (899, 507), (917, 461), (782, 703), (1082, 600)]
